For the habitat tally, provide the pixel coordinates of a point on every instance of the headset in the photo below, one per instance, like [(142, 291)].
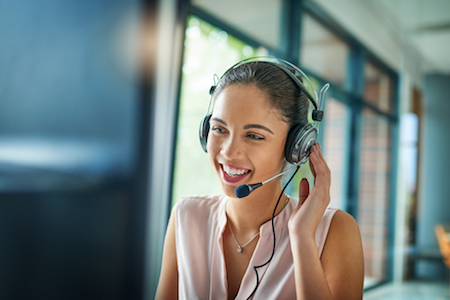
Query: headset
[(300, 137)]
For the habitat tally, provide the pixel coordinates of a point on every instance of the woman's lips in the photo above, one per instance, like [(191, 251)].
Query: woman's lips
[(233, 178)]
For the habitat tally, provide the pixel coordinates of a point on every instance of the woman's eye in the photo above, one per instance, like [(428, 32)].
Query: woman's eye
[(255, 137), (218, 129)]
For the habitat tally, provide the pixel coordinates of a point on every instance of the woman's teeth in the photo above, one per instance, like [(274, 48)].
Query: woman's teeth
[(234, 172)]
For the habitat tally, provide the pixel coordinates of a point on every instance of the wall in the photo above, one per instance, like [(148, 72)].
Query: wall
[(434, 200)]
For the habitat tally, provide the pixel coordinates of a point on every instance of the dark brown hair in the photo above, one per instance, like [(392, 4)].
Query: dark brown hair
[(284, 94)]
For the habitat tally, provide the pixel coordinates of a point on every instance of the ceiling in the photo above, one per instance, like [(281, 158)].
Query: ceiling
[(425, 24), (392, 29)]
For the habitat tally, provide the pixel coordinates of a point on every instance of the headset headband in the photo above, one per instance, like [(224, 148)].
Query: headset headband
[(317, 113)]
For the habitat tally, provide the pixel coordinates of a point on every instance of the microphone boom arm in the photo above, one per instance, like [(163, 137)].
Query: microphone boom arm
[(245, 189)]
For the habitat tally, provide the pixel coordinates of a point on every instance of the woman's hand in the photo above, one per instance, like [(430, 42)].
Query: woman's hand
[(306, 217), (337, 272)]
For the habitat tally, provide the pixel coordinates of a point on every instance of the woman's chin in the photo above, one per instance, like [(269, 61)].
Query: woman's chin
[(228, 189)]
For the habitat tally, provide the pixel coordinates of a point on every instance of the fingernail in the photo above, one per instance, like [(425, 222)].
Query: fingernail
[(320, 148)]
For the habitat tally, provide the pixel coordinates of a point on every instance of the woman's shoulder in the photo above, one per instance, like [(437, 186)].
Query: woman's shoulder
[(336, 225), (199, 213), (342, 228), (328, 216), (344, 223), (335, 218)]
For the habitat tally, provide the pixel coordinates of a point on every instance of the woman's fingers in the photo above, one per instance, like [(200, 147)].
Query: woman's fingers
[(311, 164), (318, 164), (315, 161), (303, 191), (322, 176)]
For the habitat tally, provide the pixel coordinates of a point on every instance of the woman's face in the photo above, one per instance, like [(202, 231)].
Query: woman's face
[(246, 138)]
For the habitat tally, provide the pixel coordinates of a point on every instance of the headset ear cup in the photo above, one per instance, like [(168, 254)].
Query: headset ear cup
[(204, 131), (290, 142), (298, 143)]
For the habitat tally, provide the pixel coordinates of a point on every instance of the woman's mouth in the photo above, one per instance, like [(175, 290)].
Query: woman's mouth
[(233, 174)]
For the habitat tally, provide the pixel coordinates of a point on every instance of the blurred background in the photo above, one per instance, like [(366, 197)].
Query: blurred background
[(100, 103)]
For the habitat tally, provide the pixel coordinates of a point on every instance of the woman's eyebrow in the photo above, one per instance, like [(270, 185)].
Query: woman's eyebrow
[(219, 120), (248, 126)]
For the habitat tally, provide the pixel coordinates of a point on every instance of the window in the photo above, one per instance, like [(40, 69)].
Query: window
[(335, 148), (378, 88), (374, 178), (322, 52), (259, 19)]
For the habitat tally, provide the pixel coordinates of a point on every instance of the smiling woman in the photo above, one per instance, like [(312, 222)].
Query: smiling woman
[(255, 125)]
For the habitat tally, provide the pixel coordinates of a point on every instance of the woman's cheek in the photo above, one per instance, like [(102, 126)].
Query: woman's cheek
[(212, 143)]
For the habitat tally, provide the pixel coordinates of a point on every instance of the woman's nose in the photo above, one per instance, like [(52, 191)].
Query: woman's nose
[(231, 148)]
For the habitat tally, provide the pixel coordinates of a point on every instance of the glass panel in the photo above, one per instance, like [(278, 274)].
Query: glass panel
[(373, 194), (322, 52), (259, 19), (378, 88), (335, 149), (208, 51)]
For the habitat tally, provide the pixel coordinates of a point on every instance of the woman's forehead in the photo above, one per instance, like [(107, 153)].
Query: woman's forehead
[(247, 102), (242, 95)]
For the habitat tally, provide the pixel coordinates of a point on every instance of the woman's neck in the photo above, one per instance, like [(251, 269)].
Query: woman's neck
[(249, 213)]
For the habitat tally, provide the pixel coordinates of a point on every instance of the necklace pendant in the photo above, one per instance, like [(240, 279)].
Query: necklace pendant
[(239, 249)]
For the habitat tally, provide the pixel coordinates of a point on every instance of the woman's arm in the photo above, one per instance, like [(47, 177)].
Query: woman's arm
[(342, 258), (168, 280), (339, 273)]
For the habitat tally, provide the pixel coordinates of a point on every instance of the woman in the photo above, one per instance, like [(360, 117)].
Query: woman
[(225, 247)]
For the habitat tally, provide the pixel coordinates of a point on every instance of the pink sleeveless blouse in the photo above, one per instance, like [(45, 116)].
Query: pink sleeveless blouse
[(199, 225)]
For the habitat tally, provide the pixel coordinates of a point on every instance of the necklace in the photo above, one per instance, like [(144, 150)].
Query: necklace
[(241, 248)]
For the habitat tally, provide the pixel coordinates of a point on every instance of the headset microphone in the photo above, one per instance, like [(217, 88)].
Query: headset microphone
[(245, 189)]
